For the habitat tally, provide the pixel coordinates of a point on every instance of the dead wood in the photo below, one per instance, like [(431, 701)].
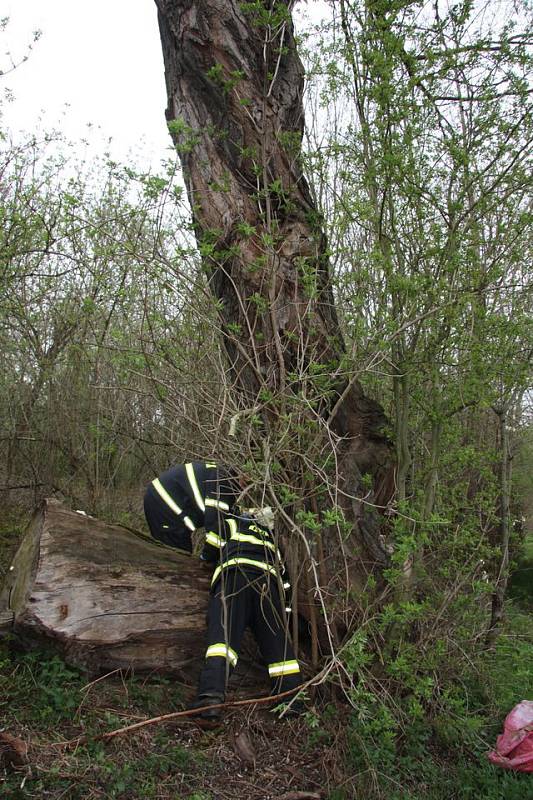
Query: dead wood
[(300, 796), (189, 712), (13, 751), (105, 597)]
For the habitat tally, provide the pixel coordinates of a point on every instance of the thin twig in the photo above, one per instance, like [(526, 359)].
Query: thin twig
[(176, 714)]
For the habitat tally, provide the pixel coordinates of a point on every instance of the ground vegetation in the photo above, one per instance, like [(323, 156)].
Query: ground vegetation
[(121, 354)]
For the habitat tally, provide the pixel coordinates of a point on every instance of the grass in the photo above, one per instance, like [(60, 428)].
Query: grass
[(46, 703), (441, 754)]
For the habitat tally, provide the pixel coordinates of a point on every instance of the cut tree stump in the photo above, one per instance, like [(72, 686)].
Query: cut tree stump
[(105, 598)]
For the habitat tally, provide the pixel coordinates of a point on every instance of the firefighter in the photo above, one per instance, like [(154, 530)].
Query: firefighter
[(190, 496), (248, 589)]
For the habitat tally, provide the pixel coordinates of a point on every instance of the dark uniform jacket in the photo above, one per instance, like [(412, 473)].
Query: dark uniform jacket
[(243, 543), (193, 495)]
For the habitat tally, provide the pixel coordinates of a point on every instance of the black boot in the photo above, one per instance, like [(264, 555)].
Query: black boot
[(209, 714)]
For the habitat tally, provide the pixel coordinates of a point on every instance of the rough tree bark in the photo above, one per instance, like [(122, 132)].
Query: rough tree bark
[(234, 84), (107, 598)]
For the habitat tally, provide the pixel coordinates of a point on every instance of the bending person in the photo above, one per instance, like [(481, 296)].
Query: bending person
[(248, 589)]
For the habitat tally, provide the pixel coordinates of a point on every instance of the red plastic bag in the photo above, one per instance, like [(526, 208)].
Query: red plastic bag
[(514, 748)]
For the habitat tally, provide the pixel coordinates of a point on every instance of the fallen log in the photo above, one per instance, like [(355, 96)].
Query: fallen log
[(106, 598)]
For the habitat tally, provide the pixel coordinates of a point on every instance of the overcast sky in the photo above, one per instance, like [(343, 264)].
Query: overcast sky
[(99, 63)]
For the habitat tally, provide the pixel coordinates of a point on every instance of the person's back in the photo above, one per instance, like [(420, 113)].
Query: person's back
[(245, 541), (189, 496)]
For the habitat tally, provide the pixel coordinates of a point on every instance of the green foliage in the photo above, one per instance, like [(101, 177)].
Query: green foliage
[(113, 365), (260, 302), (263, 16), (437, 735), (521, 580), (244, 229), (45, 687), (185, 137), (217, 74), (40, 693), (309, 521)]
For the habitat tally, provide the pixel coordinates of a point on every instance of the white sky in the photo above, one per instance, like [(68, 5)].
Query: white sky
[(99, 63)]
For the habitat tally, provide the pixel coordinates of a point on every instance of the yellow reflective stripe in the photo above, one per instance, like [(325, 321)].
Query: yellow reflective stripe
[(248, 561), (216, 504), (215, 540), (194, 486), (283, 668), (222, 650), (232, 526), (243, 537), (210, 465), (164, 495)]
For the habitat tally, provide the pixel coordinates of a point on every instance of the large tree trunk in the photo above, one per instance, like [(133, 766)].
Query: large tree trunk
[(107, 598), (234, 83)]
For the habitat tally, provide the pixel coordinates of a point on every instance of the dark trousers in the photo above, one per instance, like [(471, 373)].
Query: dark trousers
[(164, 524), (244, 598)]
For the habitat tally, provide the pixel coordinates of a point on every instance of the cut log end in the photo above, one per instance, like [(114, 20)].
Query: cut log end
[(103, 596)]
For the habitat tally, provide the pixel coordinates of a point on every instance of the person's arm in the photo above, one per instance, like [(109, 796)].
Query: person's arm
[(220, 498), (214, 542)]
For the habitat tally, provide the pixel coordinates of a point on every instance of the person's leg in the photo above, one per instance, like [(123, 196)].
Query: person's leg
[(227, 620), (271, 632)]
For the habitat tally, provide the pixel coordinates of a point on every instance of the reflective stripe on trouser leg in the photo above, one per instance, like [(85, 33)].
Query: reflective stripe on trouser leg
[(227, 620), (283, 668), (270, 629), (222, 650)]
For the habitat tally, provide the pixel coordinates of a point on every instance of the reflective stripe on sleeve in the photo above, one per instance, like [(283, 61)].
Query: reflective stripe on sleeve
[(224, 651), (164, 495), (243, 537), (194, 486), (216, 504), (246, 561), (215, 540), (283, 668)]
